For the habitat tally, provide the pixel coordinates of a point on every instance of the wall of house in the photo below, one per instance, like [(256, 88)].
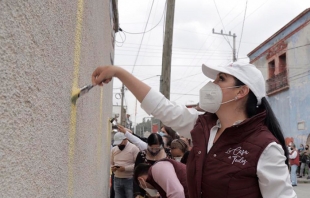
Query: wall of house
[(291, 105), (50, 147)]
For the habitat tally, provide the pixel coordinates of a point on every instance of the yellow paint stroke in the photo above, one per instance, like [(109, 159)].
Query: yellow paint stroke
[(99, 138), (77, 55)]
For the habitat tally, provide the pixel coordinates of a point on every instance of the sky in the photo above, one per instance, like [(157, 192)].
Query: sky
[(194, 44)]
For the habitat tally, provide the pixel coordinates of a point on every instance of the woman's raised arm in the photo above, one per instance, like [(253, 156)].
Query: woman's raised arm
[(105, 74)]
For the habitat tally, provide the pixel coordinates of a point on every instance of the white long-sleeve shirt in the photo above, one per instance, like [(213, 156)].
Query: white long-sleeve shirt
[(272, 172), (136, 141)]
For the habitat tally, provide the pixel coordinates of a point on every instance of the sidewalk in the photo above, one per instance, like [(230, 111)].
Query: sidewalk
[(303, 180)]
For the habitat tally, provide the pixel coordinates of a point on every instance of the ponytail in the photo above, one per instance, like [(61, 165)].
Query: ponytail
[(270, 121), (274, 127)]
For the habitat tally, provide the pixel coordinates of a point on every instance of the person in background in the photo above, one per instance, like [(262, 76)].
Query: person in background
[(179, 150), (294, 162), (305, 160), (155, 151), (167, 141), (136, 140), (167, 177), (301, 148), (169, 131), (123, 157), (187, 141), (239, 133)]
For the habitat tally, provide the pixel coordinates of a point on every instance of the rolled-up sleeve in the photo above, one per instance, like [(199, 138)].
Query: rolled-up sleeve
[(273, 174), (178, 117)]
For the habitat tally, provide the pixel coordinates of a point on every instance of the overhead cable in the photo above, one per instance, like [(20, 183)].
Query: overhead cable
[(142, 37), (246, 4)]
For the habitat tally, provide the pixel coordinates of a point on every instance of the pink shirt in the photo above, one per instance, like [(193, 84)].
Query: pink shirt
[(164, 175)]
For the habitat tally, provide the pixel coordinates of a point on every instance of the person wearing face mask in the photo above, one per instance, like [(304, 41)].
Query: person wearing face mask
[(179, 150), (305, 160), (165, 130), (238, 133), (155, 151), (166, 177), (294, 162), (123, 156)]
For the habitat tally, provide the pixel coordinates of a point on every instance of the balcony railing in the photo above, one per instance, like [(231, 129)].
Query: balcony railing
[(277, 83)]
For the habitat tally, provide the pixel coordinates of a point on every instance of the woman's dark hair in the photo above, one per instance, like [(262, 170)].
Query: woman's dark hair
[(155, 138), (171, 132), (270, 121), (141, 169), (169, 140)]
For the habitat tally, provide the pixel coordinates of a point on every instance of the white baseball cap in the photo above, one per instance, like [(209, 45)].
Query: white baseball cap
[(118, 138), (245, 72)]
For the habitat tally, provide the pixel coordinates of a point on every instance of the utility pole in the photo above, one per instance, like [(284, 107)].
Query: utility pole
[(234, 41), (123, 119), (167, 50)]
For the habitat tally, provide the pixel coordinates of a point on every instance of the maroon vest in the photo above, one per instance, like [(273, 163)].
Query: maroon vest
[(296, 160), (229, 169), (180, 170)]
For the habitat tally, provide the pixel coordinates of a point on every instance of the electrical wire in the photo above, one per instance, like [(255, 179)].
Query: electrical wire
[(142, 37), (149, 29), (253, 57), (189, 91), (293, 78), (246, 4), (222, 24)]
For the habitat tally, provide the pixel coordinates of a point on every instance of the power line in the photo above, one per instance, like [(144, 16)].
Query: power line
[(175, 57), (149, 29), (142, 37), (189, 91), (286, 49), (222, 23), (246, 4), (148, 50)]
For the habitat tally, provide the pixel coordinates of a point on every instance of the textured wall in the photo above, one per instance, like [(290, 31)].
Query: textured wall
[(49, 147), (292, 105)]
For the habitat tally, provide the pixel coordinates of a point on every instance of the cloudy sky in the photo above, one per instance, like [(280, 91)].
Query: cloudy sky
[(253, 21)]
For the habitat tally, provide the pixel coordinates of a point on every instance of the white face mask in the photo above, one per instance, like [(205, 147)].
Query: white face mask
[(177, 159), (210, 97), (150, 191)]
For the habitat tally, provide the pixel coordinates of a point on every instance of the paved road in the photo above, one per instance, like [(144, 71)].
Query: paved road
[(303, 190)]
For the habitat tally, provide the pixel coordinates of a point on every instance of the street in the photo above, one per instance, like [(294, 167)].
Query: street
[(302, 190)]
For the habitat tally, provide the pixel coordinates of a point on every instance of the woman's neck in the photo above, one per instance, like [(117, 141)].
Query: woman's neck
[(229, 118), (161, 155)]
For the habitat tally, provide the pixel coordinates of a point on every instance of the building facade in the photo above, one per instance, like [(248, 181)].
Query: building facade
[(49, 146), (284, 60)]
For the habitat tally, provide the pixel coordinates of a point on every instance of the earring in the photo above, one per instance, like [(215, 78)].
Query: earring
[(236, 98)]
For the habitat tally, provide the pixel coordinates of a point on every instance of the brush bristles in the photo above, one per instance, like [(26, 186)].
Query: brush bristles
[(75, 94)]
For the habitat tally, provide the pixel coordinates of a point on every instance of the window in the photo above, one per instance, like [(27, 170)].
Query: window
[(282, 63), (272, 68), (277, 74)]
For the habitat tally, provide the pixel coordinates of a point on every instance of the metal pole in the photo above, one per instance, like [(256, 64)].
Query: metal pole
[(234, 47), (234, 42), (167, 50), (122, 106)]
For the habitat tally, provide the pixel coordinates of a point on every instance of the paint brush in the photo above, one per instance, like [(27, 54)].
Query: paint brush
[(77, 92)]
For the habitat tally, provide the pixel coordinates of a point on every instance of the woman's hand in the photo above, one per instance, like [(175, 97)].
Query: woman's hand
[(103, 74), (121, 128)]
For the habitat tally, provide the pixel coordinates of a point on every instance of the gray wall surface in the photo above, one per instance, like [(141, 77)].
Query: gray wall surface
[(50, 147)]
